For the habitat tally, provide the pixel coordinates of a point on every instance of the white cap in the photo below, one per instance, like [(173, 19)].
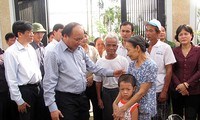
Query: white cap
[(155, 23)]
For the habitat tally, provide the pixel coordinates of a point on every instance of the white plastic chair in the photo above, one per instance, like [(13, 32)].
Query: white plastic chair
[(174, 117)]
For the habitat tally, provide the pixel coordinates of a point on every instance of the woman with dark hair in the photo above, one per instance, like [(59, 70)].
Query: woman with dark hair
[(186, 74), (144, 70), (100, 46)]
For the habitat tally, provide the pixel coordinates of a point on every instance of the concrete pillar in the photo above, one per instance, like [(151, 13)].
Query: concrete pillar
[(6, 20), (180, 14)]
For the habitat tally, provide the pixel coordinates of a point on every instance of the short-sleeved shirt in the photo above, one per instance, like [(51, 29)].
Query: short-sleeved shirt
[(163, 55), (118, 62), (121, 50), (146, 73)]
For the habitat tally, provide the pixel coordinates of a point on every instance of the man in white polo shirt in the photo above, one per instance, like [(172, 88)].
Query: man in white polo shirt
[(162, 54)]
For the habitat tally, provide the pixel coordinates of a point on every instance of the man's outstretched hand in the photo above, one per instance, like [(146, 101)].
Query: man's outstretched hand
[(118, 73)]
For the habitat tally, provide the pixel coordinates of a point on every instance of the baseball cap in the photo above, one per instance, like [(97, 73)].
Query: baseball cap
[(154, 22), (37, 27)]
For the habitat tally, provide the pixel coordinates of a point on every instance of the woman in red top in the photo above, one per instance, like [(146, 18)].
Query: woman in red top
[(186, 75)]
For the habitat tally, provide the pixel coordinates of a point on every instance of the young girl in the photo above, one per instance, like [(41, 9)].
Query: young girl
[(127, 88)]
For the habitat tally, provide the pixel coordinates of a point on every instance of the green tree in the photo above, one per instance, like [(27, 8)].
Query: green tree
[(111, 20), (198, 26)]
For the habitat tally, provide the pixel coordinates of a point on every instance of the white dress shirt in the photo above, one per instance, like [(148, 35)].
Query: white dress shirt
[(121, 50), (50, 46), (21, 68)]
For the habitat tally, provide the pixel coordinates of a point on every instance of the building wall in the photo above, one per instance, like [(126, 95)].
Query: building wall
[(180, 14), (6, 20)]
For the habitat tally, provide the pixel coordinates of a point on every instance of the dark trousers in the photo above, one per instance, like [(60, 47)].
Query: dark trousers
[(33, 95), (108, 97), (5, 106), (190, 103), (72, 106), (92, 95), (162, 109), (8, 108)]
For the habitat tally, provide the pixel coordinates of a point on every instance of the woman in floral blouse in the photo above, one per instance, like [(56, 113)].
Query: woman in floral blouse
[(145, 71)]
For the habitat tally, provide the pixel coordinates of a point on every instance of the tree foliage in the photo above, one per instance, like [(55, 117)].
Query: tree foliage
[(111, 20)]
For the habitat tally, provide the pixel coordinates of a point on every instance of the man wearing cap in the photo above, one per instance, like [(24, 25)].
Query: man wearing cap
[(39, 31), (162, 54)]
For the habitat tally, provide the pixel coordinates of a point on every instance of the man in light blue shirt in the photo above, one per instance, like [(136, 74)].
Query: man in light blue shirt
[(65, 76)]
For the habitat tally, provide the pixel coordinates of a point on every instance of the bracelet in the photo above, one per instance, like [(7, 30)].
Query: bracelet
[(185, 84)]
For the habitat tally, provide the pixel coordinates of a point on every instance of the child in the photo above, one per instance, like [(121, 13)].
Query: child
[(127, 86)]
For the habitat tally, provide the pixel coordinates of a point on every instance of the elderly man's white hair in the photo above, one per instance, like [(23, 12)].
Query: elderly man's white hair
[(111, 35)]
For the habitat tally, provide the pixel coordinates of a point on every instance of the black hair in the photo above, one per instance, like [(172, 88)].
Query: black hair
[(49, 34), (95, 40), (128, 78), (21, 26), (139, 40), (85, 32), (156, 28), (69, 27), (127, 23), (9, 35), (164, 27), (92, 44), (56, 27), (186, 28)]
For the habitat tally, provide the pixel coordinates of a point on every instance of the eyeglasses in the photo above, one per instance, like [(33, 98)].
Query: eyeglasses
[(78, 39)]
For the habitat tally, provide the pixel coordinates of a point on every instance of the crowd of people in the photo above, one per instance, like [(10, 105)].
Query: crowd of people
[(135, 79)]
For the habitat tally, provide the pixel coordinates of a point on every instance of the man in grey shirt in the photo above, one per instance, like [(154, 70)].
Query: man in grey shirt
[(65, 76)]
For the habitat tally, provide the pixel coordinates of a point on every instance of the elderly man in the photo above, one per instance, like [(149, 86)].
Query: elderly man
[(65, 76), (39, 31), (109, 85)]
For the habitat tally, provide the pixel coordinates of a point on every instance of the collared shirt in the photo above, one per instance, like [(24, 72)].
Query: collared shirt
[(119, 62), (121, 50), (21, 68), (65, 71), (163, 55), (40, 54), (50, 46), (93, 54), (187, 69)]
